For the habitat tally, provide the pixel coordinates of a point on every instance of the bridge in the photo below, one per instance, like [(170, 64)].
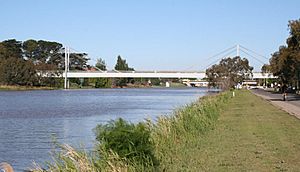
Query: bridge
[(162, 74), (151, 74)]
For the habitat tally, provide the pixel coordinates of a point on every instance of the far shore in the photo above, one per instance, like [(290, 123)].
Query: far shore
[(24, 88), (27, 88)]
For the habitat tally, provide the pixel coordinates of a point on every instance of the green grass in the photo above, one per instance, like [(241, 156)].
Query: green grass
[(177, 137), (250, 135)]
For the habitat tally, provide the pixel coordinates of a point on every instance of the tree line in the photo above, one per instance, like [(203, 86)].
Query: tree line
[(121, 65), (285, 63), (26, 63)]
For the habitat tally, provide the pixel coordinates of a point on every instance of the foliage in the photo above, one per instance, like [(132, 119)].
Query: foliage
[(42, 51), (102, 82), (229, 72), (78, 61), (28, 62), (16, 71), (122, 65), (130, 141), (175, 135), (69, 159), (11, 48), (285, 63), (100, 64)]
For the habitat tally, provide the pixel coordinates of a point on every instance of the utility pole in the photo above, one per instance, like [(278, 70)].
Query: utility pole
[(237, 50)]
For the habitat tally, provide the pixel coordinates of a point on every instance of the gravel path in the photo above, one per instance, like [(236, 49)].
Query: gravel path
[(291, 105)]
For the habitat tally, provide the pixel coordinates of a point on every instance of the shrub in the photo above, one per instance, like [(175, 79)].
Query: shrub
[(130, 141)]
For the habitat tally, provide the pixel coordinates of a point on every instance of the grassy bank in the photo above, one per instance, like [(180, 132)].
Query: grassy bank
[(251, 135), (175, 136)]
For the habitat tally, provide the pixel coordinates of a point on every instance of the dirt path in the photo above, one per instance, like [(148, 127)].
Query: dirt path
[(292, 105)]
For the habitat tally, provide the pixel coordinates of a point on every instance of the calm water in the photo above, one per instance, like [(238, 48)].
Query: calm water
[(28, 119)]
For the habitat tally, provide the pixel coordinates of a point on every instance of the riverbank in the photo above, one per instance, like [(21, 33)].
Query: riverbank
[(217, 133), (168, 135), (23, 88)]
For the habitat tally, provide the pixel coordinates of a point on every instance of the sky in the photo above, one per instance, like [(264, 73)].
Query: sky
[(153, 34)]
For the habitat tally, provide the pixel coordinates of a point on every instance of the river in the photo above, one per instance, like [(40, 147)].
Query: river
[(30, 119)]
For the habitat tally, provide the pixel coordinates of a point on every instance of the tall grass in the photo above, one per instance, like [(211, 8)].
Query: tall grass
[(169, 137), (172, 134)]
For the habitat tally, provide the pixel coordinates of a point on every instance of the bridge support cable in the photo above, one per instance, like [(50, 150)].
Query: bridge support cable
[(253, 52), (257, 59), (211, 57), (219, 59), (116, 71), (241, 49), (98, 69)]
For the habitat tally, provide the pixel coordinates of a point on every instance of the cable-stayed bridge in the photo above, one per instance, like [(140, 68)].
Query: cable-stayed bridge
[(151, 74), (186, 74)]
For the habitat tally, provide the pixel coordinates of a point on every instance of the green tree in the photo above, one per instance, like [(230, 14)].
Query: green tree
[(11, 48), (16, 71), (30, 48), (43, 51), (229, 72), (102, 82), (285, 63), (36, 58), (122, 65), (100, 64), (78, 61)]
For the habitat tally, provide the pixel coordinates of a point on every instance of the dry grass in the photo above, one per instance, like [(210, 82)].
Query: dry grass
[(21, 88)]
